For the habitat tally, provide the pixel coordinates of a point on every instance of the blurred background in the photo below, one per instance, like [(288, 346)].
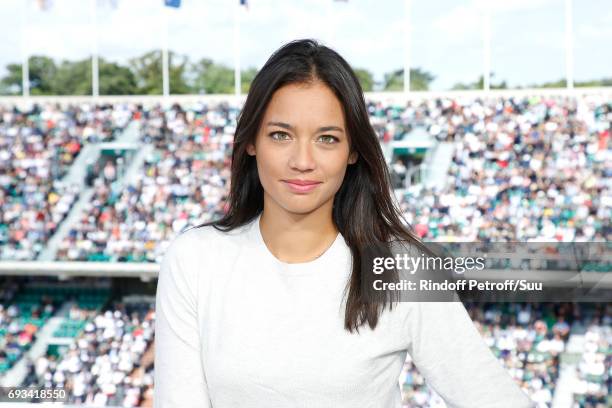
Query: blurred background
[(116, 129)]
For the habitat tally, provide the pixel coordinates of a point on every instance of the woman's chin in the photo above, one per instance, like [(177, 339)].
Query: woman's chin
[(303, 208)]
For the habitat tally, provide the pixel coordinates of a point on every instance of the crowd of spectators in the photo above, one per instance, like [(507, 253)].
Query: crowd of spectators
[(110, 363), (527, 339), (37, 147), (523, 169), (183, 181), (531, 169), (20, 322), (593, 388)]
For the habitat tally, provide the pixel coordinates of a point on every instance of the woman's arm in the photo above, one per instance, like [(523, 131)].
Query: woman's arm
[(179, 375), (449, 351)]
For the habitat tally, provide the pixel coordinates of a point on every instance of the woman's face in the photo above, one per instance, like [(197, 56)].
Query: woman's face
[(302, 148)]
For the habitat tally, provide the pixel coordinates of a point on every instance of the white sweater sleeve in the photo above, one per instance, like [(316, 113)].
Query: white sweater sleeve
[(179, 375), (450, 353)]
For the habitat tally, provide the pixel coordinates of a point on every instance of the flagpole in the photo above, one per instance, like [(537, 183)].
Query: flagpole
[(165, 68), (569, 46), (95, 91), (332, 27), (407, 42), (486, 35), (237, 76), (25, 66)]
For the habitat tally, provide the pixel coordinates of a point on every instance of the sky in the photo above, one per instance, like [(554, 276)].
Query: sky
[(527, 36)]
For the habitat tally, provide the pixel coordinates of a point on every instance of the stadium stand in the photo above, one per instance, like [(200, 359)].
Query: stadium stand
[(99, 350), (498, 185), (37, 147), (514, 168)]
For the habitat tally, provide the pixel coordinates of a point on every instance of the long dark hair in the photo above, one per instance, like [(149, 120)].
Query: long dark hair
[(364, 211)]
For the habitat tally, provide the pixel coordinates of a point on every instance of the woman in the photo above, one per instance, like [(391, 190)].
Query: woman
[(267, 306)]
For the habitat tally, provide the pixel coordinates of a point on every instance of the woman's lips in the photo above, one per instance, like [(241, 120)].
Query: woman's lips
[(301, 186)]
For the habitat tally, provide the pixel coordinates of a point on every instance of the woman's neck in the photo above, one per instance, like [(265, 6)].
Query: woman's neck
[(297, 238)]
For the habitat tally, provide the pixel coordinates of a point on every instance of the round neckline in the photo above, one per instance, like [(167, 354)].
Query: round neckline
[(296, 268)]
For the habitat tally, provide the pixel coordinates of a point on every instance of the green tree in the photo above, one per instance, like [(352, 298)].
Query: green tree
[(115, 79), (41, 69), (479, 84), (366, 79), (419, 80), (596, 82), (73, 78), (69, 78), (246, 77), (211, 78), (148, 72), (562, 83)]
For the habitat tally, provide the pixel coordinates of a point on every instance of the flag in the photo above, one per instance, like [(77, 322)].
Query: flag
[(112, 3), (244, 3), (44, 4), (173, 3)]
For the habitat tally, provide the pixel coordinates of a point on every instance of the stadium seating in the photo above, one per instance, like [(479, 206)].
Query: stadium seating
[(522, 169), (38, 147)]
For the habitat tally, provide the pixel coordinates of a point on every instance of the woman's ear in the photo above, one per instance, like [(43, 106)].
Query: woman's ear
[(353, 157), (250, 149)]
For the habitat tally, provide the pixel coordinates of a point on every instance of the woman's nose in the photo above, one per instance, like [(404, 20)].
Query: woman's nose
[(302, 157)]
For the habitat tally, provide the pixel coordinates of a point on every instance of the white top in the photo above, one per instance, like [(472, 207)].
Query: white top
[(236, 327)]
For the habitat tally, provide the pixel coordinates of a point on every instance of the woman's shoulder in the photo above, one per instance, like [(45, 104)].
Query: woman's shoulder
[(206, 239)]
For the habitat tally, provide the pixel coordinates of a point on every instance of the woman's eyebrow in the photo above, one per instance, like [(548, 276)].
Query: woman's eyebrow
[(321, 129)]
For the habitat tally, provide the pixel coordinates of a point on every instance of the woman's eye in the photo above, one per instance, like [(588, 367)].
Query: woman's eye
[(329, 139), (279, 135)]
